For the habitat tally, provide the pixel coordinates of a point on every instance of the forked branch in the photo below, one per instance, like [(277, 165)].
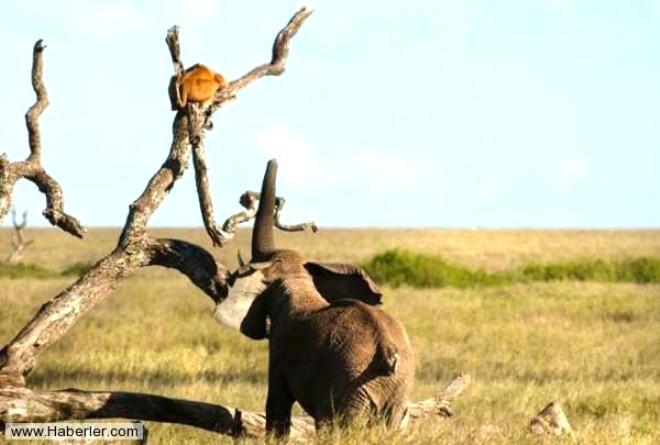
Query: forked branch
[(250, 200), (18, 242), (31, 168)]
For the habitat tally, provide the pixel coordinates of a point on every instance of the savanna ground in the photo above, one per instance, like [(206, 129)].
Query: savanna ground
[(594, 347)]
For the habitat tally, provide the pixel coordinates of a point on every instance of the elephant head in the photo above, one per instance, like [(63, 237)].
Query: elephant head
[(333, 281)]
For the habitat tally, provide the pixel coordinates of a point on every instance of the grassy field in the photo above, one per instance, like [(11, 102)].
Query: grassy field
[(594, 347)]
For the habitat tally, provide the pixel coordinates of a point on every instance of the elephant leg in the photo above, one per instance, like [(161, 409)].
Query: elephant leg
[(278, 404), (357, 405)]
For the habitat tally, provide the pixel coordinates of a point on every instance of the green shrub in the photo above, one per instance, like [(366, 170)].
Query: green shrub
[(23, 270), (597, 270), (639, 270), (634, 270), (16, 271), (400, 267)]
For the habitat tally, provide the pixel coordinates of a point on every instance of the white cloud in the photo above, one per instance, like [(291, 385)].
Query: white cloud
[(296, 158), (381, 172), (372, 171)]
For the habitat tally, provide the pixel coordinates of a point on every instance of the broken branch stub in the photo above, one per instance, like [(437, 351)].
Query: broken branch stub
[(440, 405), (551, 420)]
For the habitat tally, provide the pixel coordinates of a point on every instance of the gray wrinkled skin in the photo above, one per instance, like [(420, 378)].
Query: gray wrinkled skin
[(331, 350)]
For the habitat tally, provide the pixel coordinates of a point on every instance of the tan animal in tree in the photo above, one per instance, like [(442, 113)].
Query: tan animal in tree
[(198, 85), (330, 349)]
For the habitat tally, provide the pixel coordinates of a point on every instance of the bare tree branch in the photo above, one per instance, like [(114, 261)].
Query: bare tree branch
[(279, 205), (26, 405), (31, 169), (194, 262), (172, 40), (249, 200), (135, 227), (19, 226), (217, 235), (198, 121), (18, 242), (441, 404), (135, 249), (276, 65), (57, 316), (34, 112)]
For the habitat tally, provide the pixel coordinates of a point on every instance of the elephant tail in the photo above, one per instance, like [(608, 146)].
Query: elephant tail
[(388, 357), (387, 350)]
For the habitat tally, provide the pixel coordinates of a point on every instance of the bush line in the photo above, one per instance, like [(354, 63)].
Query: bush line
[(34, 271), (404, 268), (400, 267)]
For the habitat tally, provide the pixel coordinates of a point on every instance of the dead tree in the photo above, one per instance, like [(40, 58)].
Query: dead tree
[(135, 249), (18, 241)]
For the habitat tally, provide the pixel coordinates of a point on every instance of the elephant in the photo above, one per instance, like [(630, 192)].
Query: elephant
[(330, 348)]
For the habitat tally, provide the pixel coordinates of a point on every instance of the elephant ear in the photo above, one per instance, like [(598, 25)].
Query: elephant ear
[(255, 323), (337, 281)]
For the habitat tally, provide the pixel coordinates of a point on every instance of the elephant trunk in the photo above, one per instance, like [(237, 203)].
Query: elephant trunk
[(263, 243)]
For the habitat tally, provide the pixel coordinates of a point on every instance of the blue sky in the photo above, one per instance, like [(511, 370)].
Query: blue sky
[(420, 113)]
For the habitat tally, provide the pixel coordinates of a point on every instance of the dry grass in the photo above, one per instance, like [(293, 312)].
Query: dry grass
[(491, 249), (595, 347)]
